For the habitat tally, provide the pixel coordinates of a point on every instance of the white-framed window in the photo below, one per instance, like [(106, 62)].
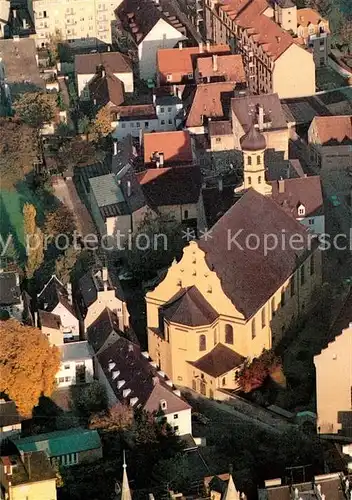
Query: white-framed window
[(169, 78), (190, 76), (162, 110), (301, 210), (311, 222)]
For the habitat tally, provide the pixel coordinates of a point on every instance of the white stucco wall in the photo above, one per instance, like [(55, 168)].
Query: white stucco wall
[(161, 36), (315, 224), (69, 322), (67, 372), (182, 420)]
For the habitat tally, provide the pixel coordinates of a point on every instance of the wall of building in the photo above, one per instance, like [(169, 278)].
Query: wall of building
[(333, 384), (43, 490), (67, 372), (287, 18), (294, 73), (83, 19), (180, 212), (107, 298), (121, 129), (210, 386), (70, 323), (55, 337), (161, 36), (180, 343), (315, 224), (180, 421), (121, 223), (222, 143)]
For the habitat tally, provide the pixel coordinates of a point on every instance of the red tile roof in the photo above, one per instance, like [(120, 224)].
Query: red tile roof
[(333, 130), (229, 67), (189, 307), (176, 146), (211, 100), (218, 361), (181, 61), (305, 191), (171, 185), (305, 17), (250, 277)]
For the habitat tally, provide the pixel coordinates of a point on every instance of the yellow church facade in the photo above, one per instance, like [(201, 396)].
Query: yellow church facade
[(229, 297)]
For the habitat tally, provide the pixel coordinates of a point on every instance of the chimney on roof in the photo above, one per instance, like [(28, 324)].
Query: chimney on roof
[(161, 159), (24, 24), (109, 48), (215, 62), (17, 279), (208, 46), (281, 185), (14, 12), (115, 148), (180, 45), (102, 72), (278, 38), (104, 277), (201, 47), (260, 117), (220, 184), (129, 188)]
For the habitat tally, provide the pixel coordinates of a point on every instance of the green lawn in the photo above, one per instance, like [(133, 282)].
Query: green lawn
[(11, 213)]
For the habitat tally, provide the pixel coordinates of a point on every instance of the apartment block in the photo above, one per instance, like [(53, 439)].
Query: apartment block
[(82, 20), (274, 60)]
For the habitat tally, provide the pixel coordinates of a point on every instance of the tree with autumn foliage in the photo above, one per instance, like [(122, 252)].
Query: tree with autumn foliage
[(59, 221), (254, 373), (118, 418), (28, 364), (34, 240), (101, 126)]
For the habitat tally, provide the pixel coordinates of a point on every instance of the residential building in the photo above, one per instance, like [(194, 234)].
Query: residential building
[(334, 485), (152, 27), (221, 68), (314, 30), (76, 366), (131, 378), (105, 90), (273, 59), (333, 366), (56, 299), (174, 192), (176, 66), (113, 63), (303, 198), (330, 143), (208, 297), (4, 16), (163, 149), (169, 109), (211, 101), (50, 325), (135, 119), (85, 22), (19, 70), (100, 288), (27, 476), (11, 299), (269, 118), (10, 420), (20, 22), (67, 447), (220, 135), (221, 487)]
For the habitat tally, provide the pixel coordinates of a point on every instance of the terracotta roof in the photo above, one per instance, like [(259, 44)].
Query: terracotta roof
[(249, 277), (333, 130), (136, 111), (182, 61), (218, 361), (211, 100), (105, 89), (305, 191), (54, 293), (220, 127), (305, 17), (171, 185), (176, 146), (246, 109), (229, 67), (49, 320), (132, 372), (113, 62), (189, 307)]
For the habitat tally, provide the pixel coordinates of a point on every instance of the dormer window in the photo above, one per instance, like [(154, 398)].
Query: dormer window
[(169, 78), (163, 404), (301, 210)]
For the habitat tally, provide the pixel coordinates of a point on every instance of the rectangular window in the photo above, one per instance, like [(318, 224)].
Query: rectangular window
[(310, 222), (67, 367), (162, 110), (263, 318), (132, 125), (123, 125), (138, 125), (176, 428), (218, 139), (283, 298), (61, 380), (253, 329), (169, 78), (67, 379), (175, 416), (162, 122), (169, 110), (146, 124), (190, 76)]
